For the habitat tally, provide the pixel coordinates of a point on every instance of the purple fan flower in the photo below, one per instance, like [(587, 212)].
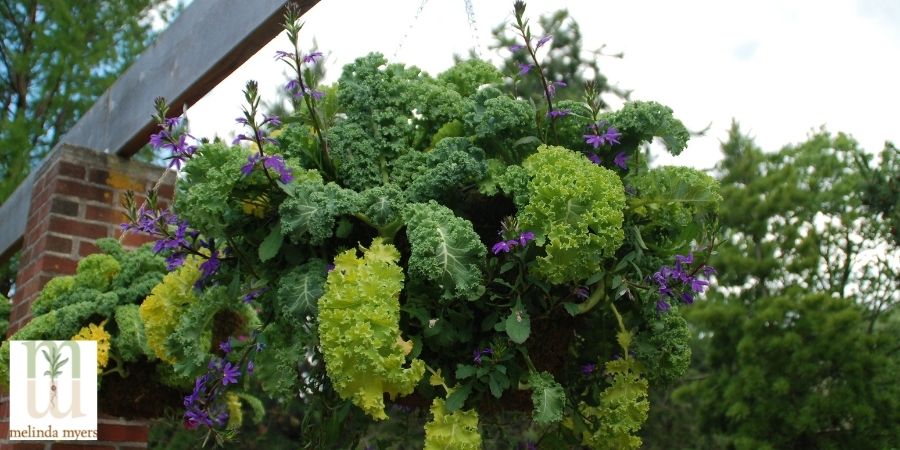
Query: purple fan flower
[(708, 271), (271, 120), (588, 369), (594, 140), (559, 112), (525, 68), (329, 267), (210, 266), (681, 259), (276, 163), (230, 374), (595, 158), (582, 293), (551, 88), (174, 261), (687, 297), (157, 140), (476, 356), (663, 306), (250, 367), (621, 160), (283, 55), (239, 138), (542, 41), (253, 294), (312, 57), (516, 47), (503, 246), (292, 86), (225, 346), (173, 122), (698, 285), (242, 121), (247, 169), (612, 135), (526, 237)]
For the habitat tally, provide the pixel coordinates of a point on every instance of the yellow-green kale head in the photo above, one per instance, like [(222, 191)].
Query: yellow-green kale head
[(359, 329), (575, 211)]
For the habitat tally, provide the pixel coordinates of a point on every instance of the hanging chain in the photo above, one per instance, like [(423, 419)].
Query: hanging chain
[(473, 27), (411, 25)]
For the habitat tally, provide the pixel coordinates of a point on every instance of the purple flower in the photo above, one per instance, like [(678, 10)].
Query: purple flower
[(239, 138), (594, 140), (559, 112), (250, 367), (273, 120), (551, 88), (698, 285), (283, 55), (174, 261), (621, 160), (526, 237), (253, 294), (582, 293), (687, 297), (230, 374), (276, 163), (209, 267), (612, 135), (588, 369), (242, 121), (157, 140), (516, 47), (312, 57), (292, 85), (476, 356), (503, 246), (525, 68), (225, 346), (542, 41), (247, 169), (663, 306), (680, 259), (708, 271), (595, 158), (173, 122), (329, 267)]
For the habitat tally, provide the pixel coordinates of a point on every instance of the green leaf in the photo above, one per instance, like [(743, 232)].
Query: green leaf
[(527, 140), (572, 308), (458, 397), (464, 371), (496, 389), (271, 244), (548, 398), (518, 324)]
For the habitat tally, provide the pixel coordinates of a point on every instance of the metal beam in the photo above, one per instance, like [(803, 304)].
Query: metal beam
[(205, 44)]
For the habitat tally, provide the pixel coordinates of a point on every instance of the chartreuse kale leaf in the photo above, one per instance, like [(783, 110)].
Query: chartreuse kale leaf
[(641, 121), (548, 398), (575, 210), (622, 410), (445, 250), (359, 329), (311, 210), (166, 304), (451, 431), (670, 199)]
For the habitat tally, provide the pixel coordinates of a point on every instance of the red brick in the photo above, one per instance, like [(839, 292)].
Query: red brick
[(21, 446), (82, 190), (76, 228), (58, 244), (68, 169), (98, 176), (87, 445), (87, 248), (136, 239), (123, 432), (58, 264), (64, 207), (104, 214), (131, 447)]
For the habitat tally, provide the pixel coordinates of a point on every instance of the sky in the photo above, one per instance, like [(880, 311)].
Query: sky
[(780, 68)]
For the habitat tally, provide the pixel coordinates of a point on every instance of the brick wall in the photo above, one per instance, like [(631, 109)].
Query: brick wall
[(77, 199)]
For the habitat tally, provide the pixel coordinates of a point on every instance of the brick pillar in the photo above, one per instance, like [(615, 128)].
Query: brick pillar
[(77, 199)]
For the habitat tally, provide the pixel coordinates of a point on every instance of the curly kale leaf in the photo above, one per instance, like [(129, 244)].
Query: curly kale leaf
[(572, 127), (446, 251), (622, 410), (96, 271), (311, 211), (575, 210), (451, 431), (671, 199), (299, 290), (548, 398), (277, 365), (359, 329), (205, 194), (498, 122), (358, 159), (130, 342), (383, 205), (452, 164), (53, 295), (467, 76), (665, 348), (640, 122), (166, 303)]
